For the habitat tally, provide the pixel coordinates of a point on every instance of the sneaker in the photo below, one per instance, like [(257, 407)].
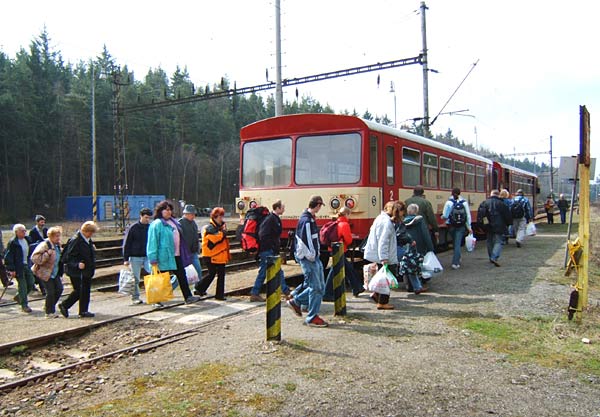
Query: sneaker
[(51, 316), (26, 309), (137, 302), (494, 262), (455, 266), (256, 298), (295, 307), (317, 322), (358, 293), (192, 299), (158, 305), (385, 307), (86, 315), (63, 310)]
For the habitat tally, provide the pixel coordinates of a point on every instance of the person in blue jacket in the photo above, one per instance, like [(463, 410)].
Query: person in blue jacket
[(166, 248)]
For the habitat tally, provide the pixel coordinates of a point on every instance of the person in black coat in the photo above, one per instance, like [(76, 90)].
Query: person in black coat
[(494, 214), (37, 234), (16, 256), (80, 262), (134, 250)]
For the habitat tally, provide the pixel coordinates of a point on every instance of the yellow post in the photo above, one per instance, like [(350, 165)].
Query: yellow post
[(274, 298), (584, 208), (339, 276)]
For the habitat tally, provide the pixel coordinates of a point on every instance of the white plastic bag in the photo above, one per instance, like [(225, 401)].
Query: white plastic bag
[(470, 242), (126, 282), (380, 283), (530, 230), (431, 263), (191, 274), (369, 271)]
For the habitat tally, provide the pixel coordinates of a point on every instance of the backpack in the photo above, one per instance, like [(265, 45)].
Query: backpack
[(458, 214), (482, 214), (329, 233), (66, 253), (517, 210), (252, 221)]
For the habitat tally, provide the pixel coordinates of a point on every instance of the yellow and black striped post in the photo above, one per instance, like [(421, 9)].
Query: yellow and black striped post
[(274, 298), (339, 275)]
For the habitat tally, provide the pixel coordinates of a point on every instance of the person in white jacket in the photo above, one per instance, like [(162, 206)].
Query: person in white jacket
[(381, 248)]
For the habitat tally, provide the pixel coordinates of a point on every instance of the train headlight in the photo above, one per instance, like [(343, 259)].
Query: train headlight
[(335, 203), (253, 204), (241, 205), (350, 203)]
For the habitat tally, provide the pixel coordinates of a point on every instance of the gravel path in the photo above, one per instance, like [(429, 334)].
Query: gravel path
[(407, 362)]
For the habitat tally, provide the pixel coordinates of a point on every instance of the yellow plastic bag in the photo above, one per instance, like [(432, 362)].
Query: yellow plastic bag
[(158, 286)]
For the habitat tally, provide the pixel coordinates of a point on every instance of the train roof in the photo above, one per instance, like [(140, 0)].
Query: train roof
[(297, 124), (515, 169)]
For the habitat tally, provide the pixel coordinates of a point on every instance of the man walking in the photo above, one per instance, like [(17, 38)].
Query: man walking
[(16, 260), (307, 255), (269, 241), (495, 215), (563, 206), (134, 250), (458, 218), (425, 210), (521, 213), (190, 235), (37, 234)]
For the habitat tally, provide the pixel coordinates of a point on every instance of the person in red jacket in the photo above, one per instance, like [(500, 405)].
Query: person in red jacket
[(345, 236)]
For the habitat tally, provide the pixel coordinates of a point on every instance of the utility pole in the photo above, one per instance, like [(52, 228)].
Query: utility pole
[(120, 171), (393, 90), (424, 63), (278, 86), (94, 182), (551, 170)]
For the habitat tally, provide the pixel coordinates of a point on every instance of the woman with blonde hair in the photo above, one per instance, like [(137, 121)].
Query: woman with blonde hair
[(48, 268), (215, 253)]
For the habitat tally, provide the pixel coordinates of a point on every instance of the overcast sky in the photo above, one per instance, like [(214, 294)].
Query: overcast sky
[(538, 60)]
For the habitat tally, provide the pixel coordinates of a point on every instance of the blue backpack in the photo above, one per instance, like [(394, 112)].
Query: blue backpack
[(458, 214)]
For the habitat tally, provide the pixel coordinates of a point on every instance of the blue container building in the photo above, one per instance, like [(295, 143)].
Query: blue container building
[(80, 208)]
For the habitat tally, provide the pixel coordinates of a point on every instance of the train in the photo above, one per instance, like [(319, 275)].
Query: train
[(359, 164)]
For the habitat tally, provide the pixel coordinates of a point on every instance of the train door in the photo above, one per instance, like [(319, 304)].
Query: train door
[(376, 203), (390, 173)]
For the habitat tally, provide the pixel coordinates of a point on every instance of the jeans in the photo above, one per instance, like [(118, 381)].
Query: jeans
[(137, 263), (520, 226), (82, 286), (457, 233), (312, 295), (350, 275), (196, 263), (563, 216), (262, 274), (494, 245), (54, 289), (25, 281), (415, 281)]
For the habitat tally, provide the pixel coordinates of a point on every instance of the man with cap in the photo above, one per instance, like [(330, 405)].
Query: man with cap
[(37, 234), (190, 235), (521, 214), (134, 250)]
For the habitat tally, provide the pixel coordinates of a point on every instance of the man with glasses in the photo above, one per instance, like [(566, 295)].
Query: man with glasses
[(307, 255)]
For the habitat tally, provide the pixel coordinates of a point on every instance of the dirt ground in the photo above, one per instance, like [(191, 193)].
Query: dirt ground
[(428, 357)]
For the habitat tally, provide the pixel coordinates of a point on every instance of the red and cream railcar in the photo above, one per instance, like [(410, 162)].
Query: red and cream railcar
[(512, 179), (353, 162)]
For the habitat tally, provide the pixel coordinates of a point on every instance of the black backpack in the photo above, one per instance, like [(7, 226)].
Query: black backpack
[(458, 214), (517, 210)]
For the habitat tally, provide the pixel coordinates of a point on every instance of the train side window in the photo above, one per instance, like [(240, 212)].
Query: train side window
[(479, 178), (445, 173), (458, 178), (411, 167), (373, 165), (390, 168), (430, 170), (470, 178)]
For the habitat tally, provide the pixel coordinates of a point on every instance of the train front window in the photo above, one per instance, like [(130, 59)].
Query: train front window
[(328, 159), (267, 163)]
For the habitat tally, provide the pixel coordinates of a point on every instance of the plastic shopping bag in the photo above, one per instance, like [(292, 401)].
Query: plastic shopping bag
[(158, 286), (470, 242), (431, 263), (191, 274), (126, 282), (530, 230), (369, 272), (380, 283)]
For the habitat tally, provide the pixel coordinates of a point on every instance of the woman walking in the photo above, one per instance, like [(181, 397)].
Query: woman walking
[(48, 268), (80, 261), (417, 229), (215, 253), (166, 248)]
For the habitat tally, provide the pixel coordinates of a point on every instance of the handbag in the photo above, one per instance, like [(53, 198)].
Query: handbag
[(470, 242), (191, 274), (126, 282), (432, 263), (158, 286)]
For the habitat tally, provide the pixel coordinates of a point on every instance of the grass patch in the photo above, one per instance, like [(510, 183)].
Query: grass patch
[(316, 374), (19, 350), (205, 390), (547, 342)]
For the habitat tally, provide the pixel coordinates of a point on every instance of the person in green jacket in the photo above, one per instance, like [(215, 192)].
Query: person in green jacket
[(425, 210)]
